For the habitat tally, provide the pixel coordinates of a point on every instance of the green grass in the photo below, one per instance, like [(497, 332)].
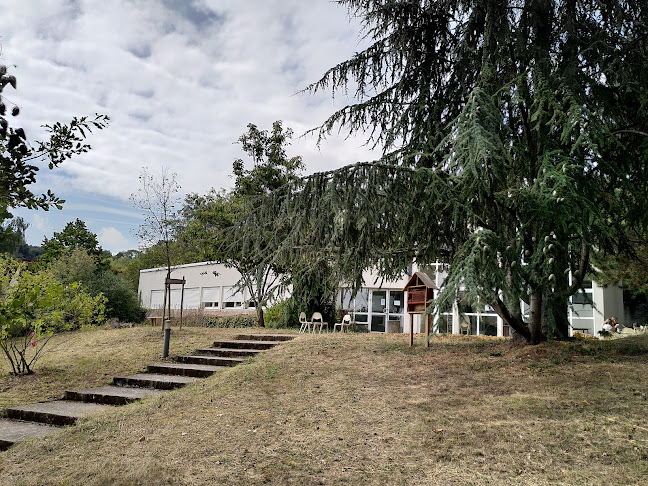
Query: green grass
[(357, 409)]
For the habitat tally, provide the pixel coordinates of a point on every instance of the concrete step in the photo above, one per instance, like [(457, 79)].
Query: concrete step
[(109, 395), (240, 344), (265, 337), (184, 369), (210, 360), (153, 380), (231, 352), (12, 431), (58, 412)]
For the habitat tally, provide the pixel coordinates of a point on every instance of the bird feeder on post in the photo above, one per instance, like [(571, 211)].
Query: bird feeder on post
[(420, 290)]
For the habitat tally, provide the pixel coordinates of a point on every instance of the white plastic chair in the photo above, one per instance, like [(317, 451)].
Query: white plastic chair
[(318, 320), (345, 324), (305, 325), (464, 327)]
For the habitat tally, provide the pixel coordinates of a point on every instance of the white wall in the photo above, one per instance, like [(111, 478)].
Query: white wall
[(609, 302), (199, 276)]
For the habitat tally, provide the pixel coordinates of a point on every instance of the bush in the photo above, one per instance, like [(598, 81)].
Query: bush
[(230, 321), (122, 302), (34, 306), (76, 265), (277, 315)]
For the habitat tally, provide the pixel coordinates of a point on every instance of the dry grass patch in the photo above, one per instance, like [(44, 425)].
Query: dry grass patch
[(92, 357), (367, 409)]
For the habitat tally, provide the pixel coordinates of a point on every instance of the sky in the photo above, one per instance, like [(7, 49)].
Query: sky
[(180, 80)]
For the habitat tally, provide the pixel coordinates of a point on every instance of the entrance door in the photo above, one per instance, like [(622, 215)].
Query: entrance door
[(378, 310)]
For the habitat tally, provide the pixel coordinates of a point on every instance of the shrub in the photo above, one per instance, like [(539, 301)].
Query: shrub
[(34, 306), (77, 265), (230, 321), (122, 302), (277, 315)]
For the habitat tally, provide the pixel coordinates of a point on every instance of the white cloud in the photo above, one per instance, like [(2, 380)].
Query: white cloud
[(42, 223), (180, 81), (112, 239)]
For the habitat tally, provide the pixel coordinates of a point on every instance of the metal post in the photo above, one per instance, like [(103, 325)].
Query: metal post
[(167, 338)]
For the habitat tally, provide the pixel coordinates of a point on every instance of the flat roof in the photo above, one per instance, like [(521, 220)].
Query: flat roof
[(174, 267)]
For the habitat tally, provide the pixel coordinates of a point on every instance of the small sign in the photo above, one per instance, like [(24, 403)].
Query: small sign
[(175, 281)]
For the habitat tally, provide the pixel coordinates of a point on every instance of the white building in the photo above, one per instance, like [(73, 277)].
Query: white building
[(380, 305), (208, 286)]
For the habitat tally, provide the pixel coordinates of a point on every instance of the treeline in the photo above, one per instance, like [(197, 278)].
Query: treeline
[(74, 256)]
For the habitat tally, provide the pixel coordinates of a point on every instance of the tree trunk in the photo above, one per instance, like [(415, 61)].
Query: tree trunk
[(512, 319), (561, 317), (535, 318), (259, 313), (559, 299)]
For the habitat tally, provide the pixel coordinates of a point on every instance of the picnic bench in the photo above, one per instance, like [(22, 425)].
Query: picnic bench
[(155, 320)]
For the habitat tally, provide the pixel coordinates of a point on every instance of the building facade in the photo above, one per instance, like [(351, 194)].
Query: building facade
[(380, 305)]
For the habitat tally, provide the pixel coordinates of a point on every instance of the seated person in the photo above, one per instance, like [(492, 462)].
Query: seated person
[(611, 325)]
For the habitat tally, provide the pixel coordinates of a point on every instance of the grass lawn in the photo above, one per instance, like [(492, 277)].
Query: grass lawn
[(348, 409)]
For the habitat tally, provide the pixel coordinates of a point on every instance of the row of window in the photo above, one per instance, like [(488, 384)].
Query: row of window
[(376, 306)]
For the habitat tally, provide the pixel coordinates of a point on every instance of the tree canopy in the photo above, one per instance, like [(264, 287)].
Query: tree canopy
[(214, 227), (19, 159), (75, 235), (514, 138)]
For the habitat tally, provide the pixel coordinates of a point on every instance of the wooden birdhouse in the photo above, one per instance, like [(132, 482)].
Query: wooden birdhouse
[(420, 289)]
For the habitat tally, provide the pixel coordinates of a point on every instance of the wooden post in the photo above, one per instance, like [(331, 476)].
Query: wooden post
[(169, 285), (182, 300), (427, 328), (164, 305), (411, 330)]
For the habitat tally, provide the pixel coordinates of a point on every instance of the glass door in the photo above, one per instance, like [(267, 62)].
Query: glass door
[(378, 310)]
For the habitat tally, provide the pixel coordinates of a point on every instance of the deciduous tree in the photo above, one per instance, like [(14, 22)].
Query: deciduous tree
[(35, 306), (158, 199), (75, 235), (215, 223), (20, 160)]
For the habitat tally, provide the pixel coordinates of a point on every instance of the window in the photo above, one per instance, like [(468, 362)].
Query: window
[(157, 299), (357, 306), (396, 301), (445, 324), (232, 298), (581, 308), (211, 297)]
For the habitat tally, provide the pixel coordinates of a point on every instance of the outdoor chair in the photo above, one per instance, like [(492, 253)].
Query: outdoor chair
[(464, 327), (345, 324), (318, 320), (305, 325)]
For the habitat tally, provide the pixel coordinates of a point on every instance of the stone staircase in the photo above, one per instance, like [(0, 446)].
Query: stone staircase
[(39, 419)]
